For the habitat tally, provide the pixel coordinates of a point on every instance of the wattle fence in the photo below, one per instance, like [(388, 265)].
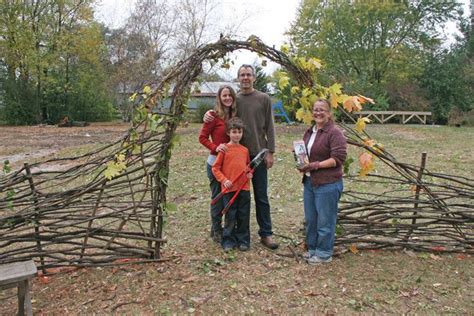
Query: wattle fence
[(109, 204)]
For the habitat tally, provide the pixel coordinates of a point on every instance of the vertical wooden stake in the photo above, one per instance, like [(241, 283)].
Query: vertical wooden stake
[(37, 216), (418, 187)]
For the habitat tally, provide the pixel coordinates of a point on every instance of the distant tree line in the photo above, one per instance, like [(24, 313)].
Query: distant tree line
[(392, 51), (56, 60)]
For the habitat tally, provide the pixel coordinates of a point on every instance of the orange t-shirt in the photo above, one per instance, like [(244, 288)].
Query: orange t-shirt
[(230, 165)]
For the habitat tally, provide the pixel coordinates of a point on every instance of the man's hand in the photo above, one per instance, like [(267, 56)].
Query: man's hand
[(269, 160), (227, 184), (222, 148), (208, 117)]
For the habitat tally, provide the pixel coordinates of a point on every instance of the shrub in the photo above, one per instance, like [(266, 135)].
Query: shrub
[(201, 109)]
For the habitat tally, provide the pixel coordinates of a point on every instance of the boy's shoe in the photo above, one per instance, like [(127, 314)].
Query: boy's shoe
[(317, 260), (244, 247), (217, 237), (306, 255), (227, 248)]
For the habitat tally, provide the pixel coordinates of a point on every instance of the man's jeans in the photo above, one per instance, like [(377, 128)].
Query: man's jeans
[(262, 206), (237, 220), (320, 212), (215, 210)]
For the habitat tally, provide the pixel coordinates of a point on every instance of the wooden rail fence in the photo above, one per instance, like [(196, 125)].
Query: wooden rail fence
[(403, 116)]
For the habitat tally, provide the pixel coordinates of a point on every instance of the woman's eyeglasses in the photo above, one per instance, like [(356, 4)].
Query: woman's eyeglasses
[(319, 110)]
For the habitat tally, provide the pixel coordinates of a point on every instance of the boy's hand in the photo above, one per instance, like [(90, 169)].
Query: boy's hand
[(249, 175), (208, 116), (227, 184)]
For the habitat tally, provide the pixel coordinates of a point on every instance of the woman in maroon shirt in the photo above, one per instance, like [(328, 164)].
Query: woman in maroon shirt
[(327, 150), (214, 137)]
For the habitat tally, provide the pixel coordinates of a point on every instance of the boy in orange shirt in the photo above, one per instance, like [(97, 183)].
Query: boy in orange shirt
[(228, 166)]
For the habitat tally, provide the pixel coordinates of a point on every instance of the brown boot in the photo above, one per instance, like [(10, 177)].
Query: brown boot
[(268, 242)]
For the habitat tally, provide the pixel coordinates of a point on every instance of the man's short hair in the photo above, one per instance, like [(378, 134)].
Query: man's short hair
[(246, 66), (234, 123)]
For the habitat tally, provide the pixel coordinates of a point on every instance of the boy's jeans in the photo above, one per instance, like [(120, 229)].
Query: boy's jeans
[(237, 220), (320, 212)]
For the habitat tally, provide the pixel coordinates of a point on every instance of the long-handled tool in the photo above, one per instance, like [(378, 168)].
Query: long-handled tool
[(256, 161)]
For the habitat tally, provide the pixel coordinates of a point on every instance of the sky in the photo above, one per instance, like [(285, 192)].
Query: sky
[(269, 20)]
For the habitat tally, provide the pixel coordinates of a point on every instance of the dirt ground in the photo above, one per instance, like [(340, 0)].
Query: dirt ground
[(199, 278), (26, 143)]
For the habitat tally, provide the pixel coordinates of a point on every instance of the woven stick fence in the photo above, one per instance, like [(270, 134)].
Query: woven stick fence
[(76, 216)]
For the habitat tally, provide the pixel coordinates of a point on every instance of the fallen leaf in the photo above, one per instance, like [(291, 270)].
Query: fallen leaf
[(354, 249), (44, 279), (437, 284), (190, 279)]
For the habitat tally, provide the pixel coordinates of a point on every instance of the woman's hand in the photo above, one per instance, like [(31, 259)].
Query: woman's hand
[(310, 166), (222, 148)]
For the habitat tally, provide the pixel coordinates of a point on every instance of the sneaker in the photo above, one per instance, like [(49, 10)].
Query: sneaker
[(317, 260), (228, 248), (217, 237), (244, 247), (306, 255)]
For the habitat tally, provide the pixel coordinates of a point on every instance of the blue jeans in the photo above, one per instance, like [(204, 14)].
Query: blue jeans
[(262, 206), (320, 212), (237, 220), (215, 210)]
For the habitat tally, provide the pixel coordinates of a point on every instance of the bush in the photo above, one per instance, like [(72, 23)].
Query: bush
[(460, 118), (201, 109)]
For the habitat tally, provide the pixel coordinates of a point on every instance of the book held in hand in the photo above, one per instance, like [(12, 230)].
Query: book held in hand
[(301, 155)]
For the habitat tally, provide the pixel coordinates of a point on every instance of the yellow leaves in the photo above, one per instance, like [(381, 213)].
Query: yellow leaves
[(335, 89), (283, 82), (295, 90), (147, 90), (315, 62), (360, 124), (366, 163), (310, 64), (285, 48), (352, 103), (133, 97), (115, 167), (335, 94), (304, 115)]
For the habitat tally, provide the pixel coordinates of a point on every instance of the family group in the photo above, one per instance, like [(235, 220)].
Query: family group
[(237, 132)]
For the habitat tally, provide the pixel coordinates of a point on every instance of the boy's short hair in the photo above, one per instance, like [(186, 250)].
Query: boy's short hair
[(234, 123)]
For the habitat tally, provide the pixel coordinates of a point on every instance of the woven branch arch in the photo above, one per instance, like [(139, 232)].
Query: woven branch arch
[(75, 216)]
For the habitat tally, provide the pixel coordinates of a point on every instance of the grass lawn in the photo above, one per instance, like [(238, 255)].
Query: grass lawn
[(201, 279)]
